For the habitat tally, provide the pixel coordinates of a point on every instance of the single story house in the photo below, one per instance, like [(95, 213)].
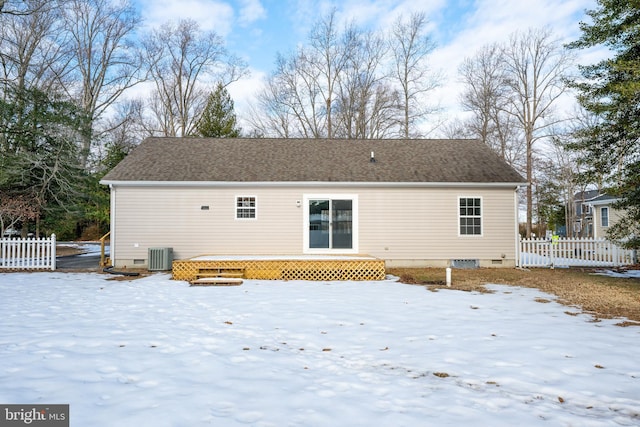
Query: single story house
[(411, 203)]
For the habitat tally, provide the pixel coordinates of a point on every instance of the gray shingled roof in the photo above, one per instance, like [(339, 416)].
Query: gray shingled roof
[(312, 160)]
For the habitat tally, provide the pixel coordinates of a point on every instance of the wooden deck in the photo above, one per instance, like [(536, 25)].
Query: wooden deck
[(292, 267)]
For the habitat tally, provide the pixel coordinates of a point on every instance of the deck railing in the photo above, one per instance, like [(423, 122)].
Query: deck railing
[(104, 259), (573, 252), (28, 254)]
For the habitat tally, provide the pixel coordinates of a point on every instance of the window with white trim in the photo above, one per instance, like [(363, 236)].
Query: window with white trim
[(604, 216), (245, 207), (470, 214)]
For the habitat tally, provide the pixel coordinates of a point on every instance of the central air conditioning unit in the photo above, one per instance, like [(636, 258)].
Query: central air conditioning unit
[(160, 259)]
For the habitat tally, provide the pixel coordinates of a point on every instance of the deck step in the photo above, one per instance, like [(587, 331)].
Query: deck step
[(204, 274), (216, 281), (228, 272)]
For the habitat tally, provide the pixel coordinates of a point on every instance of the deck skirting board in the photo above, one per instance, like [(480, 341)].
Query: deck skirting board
[(283, 269)]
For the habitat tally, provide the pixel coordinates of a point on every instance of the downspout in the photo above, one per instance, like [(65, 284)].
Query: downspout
[(517, 225), (112, 225), (594, 214)]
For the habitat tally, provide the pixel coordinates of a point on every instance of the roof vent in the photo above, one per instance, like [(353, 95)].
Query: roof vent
[(373, 158)]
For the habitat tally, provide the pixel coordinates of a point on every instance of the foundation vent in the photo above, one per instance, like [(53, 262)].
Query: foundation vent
[(465, 263)]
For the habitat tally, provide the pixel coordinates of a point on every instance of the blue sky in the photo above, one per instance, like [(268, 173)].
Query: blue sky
[(258, 29)]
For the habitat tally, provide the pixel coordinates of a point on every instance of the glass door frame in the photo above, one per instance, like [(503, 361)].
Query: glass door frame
[(306, 223)]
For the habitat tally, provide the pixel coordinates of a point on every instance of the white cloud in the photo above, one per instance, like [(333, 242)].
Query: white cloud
[(493, 21), (251, 11), (243, 93), (377, 14), (209, 14)]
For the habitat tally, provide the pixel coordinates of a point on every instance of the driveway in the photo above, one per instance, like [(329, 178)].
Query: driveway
[(87, 259), (78, 262)]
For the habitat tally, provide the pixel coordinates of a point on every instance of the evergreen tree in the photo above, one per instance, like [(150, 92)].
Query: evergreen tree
[(611, 91), (218, 119), (96, 204), (39, 155)]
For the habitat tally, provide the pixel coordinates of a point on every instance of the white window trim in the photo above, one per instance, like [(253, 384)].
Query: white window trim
[(481, 217), (355, 224), (235, 207), (602, 224)]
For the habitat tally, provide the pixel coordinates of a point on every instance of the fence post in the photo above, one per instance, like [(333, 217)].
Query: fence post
[(53, 252)]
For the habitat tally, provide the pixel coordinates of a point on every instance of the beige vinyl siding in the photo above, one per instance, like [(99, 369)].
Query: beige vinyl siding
[(422, 224), (172, 217), (599, 231), (409, 226)]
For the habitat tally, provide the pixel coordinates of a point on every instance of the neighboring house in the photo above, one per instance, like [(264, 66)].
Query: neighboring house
[(410, 202), (583, 219), (594, 214), (604, 214)]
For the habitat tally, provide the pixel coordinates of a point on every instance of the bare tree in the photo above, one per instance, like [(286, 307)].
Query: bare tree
[(579, 176), (105, 59), (457, 129), (484, 95), (32, 59), (366, 103), (300, 96), (410, 49), (332, 87), (339, 85), (122, 131), (272, 115), (306, 91), (536, 67), (293, 99), (15, 8), (33, 48), (326, 57), (16, 209), (182, 60), (566, 174)]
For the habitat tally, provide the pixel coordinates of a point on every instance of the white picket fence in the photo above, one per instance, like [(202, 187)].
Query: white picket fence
[(28, 254), (573, 252)]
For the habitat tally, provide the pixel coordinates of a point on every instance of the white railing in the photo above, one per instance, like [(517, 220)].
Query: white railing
[(28, 254), (572, 252)]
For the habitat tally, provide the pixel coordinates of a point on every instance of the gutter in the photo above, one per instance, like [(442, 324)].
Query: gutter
[(284, 184)]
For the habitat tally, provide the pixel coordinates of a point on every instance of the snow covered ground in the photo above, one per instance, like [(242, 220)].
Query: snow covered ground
[(156, 352)]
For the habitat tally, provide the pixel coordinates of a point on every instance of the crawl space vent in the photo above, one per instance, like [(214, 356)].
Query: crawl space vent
[(465, 263)]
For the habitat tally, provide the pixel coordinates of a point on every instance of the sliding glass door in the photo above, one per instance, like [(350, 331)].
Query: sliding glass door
[(330, 223)]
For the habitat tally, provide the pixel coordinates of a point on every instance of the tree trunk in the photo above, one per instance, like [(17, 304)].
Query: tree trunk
[(529, 183), (329, 127)]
